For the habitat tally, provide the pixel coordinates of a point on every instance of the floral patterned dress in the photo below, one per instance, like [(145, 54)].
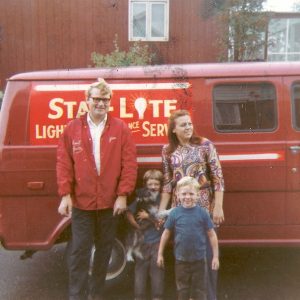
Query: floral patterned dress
[(198, 161)]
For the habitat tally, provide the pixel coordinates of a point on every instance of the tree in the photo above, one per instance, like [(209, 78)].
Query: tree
[(137, 55), (246, 22)]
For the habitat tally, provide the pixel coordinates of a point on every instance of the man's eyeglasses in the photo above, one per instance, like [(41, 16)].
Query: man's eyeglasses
[(98, 100)]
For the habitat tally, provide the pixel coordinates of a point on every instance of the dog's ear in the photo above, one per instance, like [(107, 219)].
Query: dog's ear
[(139, 195)]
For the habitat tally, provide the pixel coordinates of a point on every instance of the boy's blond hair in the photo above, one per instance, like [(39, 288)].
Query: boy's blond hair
[(153, 174), (188, 180)]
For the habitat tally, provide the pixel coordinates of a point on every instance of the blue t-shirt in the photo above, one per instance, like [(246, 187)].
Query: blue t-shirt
[(151, 234), (190, 226)]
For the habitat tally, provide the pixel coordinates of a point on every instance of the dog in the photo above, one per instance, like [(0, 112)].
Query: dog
[(146, 200)]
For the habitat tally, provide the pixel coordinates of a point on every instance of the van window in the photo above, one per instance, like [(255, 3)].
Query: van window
[(245, 107), (296, 106)]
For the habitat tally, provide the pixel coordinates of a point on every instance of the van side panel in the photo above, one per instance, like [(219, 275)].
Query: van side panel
[(12, 135), (292, 100), (15, 106), (254, 165), (28, 194)]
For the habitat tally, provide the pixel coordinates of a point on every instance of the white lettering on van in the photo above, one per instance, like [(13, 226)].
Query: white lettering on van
[(169, 107), (57, 109), (156, 104), (82, 109), (155, 107), (48, 132), (134, 125), (70, 105), (58, 106), (154, 129), (123, 112)]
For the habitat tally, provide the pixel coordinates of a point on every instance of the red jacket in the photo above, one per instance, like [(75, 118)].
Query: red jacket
[(76, 168)]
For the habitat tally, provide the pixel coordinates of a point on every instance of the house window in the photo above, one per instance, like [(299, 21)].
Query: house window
[(246, 107), (284, 39), (148, 20)]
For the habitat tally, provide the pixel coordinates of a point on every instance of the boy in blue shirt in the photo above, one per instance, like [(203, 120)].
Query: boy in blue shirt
[(190, 224)]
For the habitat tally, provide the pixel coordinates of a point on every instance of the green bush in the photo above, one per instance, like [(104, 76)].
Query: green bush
[(137, 55)]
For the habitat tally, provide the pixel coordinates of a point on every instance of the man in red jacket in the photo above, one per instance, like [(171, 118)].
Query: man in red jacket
[(96, 171)]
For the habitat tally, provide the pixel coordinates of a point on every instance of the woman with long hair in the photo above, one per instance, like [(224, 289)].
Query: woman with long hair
[(188, 154)]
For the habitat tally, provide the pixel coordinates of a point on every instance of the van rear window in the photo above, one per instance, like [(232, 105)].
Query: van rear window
[(296, 106), (245, 107)]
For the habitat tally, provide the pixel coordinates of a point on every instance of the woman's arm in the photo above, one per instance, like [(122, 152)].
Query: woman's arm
[(165, 199), (217, 179), (167, 182), (218, 213)]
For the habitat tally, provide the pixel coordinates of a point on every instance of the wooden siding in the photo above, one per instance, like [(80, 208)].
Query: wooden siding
[(52, 34)]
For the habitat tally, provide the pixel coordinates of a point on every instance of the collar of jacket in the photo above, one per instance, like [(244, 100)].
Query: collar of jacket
[(84, 119)]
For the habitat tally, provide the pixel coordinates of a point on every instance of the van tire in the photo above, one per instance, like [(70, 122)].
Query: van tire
[(119, 272)]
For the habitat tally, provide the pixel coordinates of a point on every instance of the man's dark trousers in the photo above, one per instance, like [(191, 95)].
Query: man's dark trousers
[(96, 227)]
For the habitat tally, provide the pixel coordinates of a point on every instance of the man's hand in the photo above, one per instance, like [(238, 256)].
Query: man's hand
[(65, 207), (120, 205)]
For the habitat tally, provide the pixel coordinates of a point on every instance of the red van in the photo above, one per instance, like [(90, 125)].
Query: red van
[(251, 111)]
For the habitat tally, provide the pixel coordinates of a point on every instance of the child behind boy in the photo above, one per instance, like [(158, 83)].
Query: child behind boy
[(147, 264), (190, 224)]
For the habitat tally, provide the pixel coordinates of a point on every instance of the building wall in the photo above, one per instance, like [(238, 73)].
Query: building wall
[(54, 34)]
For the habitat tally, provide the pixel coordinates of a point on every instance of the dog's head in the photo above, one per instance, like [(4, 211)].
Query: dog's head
[(146, 196), (147, 201)]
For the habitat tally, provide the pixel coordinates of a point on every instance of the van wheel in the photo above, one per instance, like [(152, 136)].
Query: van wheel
[(119, 271)]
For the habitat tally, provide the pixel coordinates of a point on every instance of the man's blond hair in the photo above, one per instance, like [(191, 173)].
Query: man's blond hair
[(101, 85), (188, 180)]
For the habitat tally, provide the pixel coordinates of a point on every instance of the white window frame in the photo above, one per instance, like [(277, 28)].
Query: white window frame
[(148, 4), (285, 53)]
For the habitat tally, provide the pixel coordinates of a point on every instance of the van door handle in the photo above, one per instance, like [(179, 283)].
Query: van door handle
[(35, 185), (295, 148)]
